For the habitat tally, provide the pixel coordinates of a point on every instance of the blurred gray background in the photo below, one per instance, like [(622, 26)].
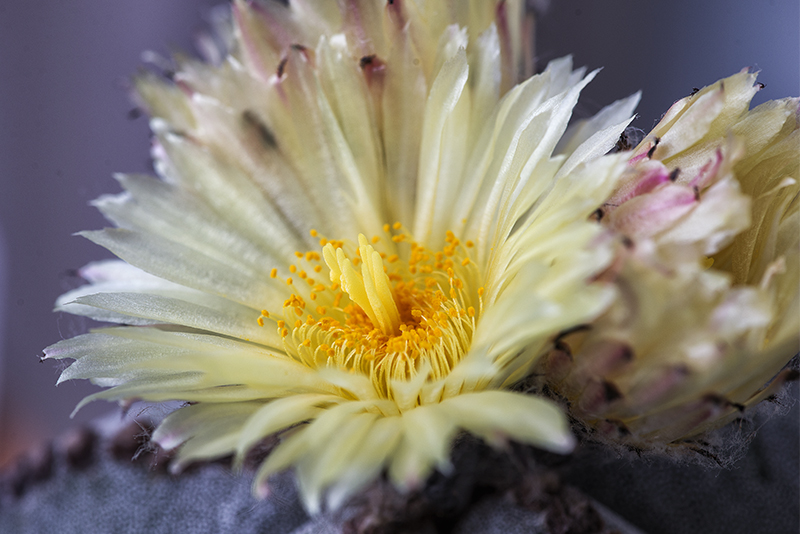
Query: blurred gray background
[(66, 125)]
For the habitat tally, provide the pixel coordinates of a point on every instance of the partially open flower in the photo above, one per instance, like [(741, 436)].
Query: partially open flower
[(709, 279), (360, 241)]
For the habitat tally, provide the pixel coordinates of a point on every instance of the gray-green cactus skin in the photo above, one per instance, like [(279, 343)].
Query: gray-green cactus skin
[(103, 479), (106, 479)]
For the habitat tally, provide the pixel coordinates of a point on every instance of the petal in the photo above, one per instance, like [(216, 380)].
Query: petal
[(206, 431), (620, 112), (499, 415), (427, 433), (444, 135), (182, 265)]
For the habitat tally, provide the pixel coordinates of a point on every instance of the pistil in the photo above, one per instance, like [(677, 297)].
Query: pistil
[(371, 290)]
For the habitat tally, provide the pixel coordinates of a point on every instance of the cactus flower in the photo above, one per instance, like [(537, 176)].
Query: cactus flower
[(360, 239), (708, 313)]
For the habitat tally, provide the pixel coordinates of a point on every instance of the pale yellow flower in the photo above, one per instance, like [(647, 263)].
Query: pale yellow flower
[(361, 239), (709, 277)]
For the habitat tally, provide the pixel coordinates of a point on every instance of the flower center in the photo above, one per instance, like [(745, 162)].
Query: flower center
[(391, 305), (371, 290)]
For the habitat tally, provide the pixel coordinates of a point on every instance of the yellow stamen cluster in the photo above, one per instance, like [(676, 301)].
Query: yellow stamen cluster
[(385, 310)]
